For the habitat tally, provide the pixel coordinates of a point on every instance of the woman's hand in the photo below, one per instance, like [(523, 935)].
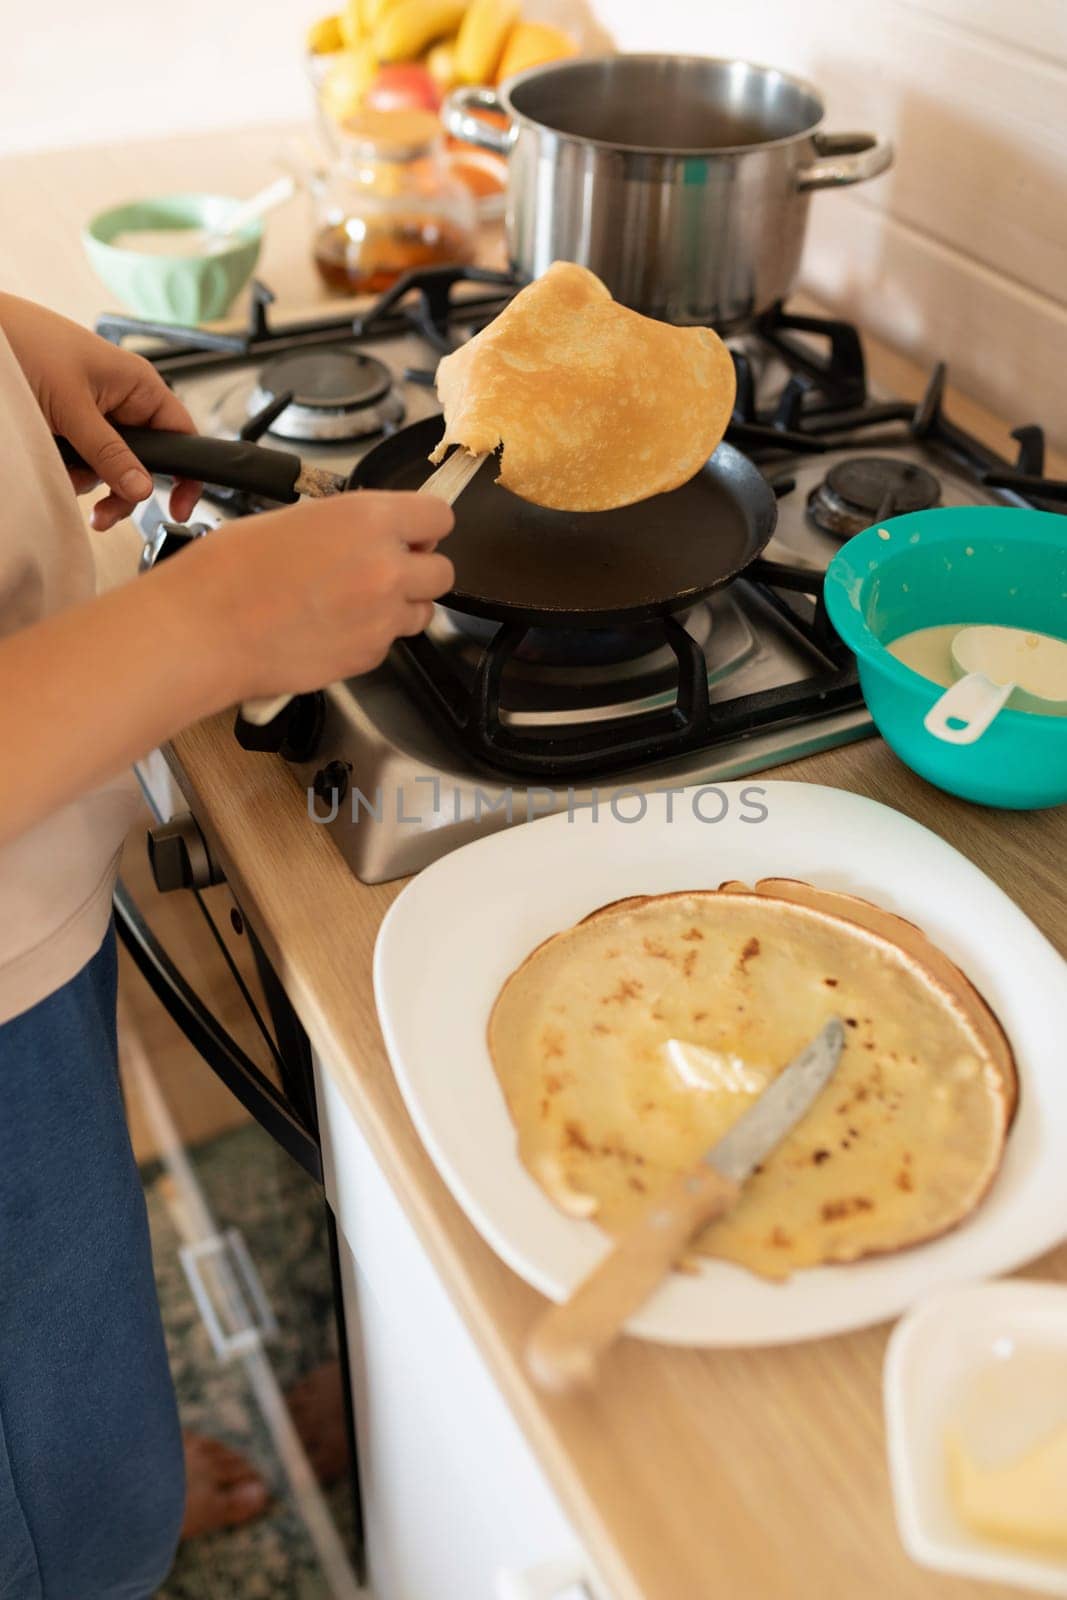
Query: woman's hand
[(316, 591), (79, 382)]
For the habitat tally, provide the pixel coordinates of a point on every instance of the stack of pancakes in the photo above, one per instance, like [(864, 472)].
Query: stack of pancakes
[(627, 1045)]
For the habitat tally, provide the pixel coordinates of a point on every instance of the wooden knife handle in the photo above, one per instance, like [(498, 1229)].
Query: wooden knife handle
[(568, 1340)]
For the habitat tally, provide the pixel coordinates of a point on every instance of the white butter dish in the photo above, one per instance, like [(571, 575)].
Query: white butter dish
[(996, 1343)]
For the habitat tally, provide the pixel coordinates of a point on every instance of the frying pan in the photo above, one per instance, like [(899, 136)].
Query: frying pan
[(517, 562)]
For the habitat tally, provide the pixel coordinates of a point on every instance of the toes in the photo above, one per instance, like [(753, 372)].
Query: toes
[(228, 1462), (223, 1490), (225, 1487), (246, 1500)]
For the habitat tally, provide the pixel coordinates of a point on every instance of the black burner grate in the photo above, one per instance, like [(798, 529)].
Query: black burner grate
[(471, 711), (417, 302)]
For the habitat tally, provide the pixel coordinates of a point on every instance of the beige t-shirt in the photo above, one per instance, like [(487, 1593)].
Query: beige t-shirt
[(56, 880)]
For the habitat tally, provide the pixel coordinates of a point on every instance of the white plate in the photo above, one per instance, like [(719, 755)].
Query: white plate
[(931, 1356), (457, 931)]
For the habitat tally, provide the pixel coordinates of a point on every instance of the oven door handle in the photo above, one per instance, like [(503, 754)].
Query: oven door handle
[(207, 1035)]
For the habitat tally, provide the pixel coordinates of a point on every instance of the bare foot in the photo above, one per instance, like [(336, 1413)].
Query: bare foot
[(316, 1406), (222, 1489)]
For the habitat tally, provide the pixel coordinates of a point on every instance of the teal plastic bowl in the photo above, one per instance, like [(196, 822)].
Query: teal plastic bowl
[(966, 565), (173, 288)]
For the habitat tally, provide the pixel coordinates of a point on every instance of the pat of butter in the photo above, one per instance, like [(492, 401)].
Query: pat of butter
[(698, 1068), (1020, 1502)]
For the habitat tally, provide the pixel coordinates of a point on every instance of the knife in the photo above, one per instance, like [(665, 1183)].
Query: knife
[(568, 1339)]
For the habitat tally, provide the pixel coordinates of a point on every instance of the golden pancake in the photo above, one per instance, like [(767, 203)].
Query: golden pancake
[(627, 1045), (912, 939), (594, 406)]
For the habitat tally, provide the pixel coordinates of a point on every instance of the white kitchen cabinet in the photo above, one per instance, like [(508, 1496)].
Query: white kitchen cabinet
[(456, 1506)]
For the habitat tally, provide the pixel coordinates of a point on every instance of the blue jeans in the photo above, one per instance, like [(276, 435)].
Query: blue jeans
[(91, 1476)]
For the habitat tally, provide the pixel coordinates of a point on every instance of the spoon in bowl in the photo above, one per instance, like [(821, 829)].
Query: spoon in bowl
[(264, 200), (995, 666)]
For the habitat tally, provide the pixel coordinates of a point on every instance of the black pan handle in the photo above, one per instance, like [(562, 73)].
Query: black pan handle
[(229, 463)]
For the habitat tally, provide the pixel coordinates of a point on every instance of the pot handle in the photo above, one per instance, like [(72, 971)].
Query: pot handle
[(461, 123), (845, 158)]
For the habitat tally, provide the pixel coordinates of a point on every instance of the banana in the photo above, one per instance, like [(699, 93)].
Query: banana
[(325, 36), (372, 12), (350, 24), (481, 38), (532, 44), (410, 25), (440, 63), (346, 82)]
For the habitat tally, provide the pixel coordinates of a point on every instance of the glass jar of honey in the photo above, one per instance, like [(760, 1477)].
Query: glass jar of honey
[(390, 202)]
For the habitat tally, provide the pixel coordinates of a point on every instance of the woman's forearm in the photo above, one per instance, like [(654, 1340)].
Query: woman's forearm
[(277, 603), (88, 691)]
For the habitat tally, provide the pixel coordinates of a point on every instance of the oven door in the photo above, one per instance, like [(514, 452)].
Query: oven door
[(221, 1083)]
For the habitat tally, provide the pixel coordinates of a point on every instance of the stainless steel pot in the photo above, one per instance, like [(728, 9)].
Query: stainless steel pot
[(682, 181)]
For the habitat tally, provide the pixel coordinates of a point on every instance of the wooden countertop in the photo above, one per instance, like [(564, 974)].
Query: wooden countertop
[(739, 1475)]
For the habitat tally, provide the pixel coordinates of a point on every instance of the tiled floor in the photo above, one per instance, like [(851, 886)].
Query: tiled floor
[(271, 1559)]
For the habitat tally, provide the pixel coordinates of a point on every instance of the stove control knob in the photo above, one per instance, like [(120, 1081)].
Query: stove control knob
[(294, 733), (179, 856), (330, 783)]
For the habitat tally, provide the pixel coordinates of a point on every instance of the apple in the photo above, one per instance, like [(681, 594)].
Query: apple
[(403, 86)]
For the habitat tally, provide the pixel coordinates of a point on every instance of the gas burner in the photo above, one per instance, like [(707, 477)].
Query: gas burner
[(557, 675), (586, 655), (866, 489), (338, 395)]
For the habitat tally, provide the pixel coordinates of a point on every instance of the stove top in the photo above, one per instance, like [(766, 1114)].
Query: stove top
[(475, 726)]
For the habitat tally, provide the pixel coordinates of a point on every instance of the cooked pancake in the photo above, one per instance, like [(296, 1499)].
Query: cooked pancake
[(627, 1045), (912, 940), (594, 406)]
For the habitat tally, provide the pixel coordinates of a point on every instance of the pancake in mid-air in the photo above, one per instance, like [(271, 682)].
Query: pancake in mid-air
[(593, 406), (627, 1045)]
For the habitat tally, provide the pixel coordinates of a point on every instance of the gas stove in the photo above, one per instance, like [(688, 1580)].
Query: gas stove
[(467, 729)]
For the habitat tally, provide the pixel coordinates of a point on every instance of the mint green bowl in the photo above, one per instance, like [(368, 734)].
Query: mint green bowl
[(173, 288), (962, 564)]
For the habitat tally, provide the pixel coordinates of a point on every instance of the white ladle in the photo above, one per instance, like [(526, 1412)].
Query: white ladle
[(996, 665), (264, 200)]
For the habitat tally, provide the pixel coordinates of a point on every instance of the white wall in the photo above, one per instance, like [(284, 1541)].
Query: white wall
[(89, 71), (961, 250)]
